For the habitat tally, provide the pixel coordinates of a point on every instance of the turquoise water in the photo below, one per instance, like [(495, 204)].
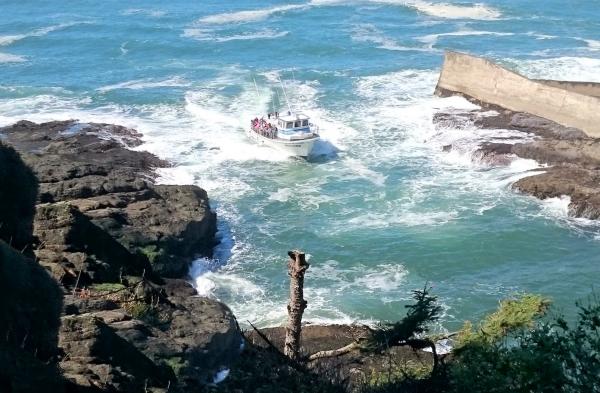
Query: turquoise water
[(381, 209)]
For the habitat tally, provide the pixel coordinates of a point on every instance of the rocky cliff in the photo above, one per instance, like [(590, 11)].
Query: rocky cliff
[(85, 206)]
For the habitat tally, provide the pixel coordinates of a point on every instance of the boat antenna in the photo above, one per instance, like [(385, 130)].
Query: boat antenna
[(256, 87), (285, 95), (272, 103), (278, 98)]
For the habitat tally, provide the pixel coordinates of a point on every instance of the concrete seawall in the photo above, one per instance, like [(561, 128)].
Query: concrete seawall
[(585, 88), (571, 104)]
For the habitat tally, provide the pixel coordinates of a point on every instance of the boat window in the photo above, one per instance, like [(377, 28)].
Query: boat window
[(297, 124), (281, 124), (289, 125), (304, 123)]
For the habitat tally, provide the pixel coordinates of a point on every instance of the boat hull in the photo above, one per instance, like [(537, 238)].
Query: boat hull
[(299, 148)]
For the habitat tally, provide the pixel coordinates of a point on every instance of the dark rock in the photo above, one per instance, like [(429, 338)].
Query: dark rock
[(30, 306), (494, 154), (353, 366), (581, 152), (544, 127), (96, 357), (581, 185), (18, 193), (71, 243), (202, 336), (90, 166), (74, 305)]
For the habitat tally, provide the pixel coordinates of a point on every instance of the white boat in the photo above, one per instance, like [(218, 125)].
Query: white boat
[(292, 133)]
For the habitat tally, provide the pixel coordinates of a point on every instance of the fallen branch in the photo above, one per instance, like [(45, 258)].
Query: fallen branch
[(334, 352)]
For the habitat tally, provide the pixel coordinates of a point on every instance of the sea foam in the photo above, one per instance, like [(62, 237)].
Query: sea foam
[(9, 58), (140, 84), (476, 11), (249, 15), (11, 39)]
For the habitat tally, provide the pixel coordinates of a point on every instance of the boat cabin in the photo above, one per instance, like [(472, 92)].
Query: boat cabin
[(295, 122)]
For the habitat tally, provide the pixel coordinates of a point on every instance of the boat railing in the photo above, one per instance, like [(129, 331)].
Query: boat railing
[(264, 128)]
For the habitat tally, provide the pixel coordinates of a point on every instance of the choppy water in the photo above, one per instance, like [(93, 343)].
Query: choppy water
[(383, 210)]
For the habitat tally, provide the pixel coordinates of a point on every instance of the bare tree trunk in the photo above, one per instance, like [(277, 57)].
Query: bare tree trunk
[(296, 268)]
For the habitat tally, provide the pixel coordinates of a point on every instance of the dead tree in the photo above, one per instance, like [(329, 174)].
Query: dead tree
[(297, 266)]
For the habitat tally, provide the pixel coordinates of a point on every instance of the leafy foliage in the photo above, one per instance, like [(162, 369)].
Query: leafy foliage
[(512, 315), (544, 357), (420, 315)]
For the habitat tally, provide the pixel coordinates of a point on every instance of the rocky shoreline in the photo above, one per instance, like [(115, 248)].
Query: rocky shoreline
[(570, 157), (119, 246), (120, 315)]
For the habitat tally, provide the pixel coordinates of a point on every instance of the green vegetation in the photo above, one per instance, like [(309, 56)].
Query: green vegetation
[(152, 252), (512, 315), (540, 356), (107, 287), (143, 311), (518, 348), (176, 364), (420, 315)]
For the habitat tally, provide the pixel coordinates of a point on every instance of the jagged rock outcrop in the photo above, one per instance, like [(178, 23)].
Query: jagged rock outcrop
[(110, 236), (180, 340), (90, 167)]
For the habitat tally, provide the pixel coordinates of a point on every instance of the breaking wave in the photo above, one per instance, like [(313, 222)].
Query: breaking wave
[(209, 35), (249, 16), (11, 39), (476, 11), (139, 84)]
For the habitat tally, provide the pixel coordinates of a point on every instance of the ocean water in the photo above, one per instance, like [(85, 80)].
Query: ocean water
[(381, 209)]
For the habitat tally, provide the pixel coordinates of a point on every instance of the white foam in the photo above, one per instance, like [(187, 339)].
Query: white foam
[(360, 169), (539, 36), (9, 58), (208, 35), (593, 45), (281, 195), (249, 16), (123, 48), (221, 376), (561, 68), (142, 11), (370, 34), (557, 207), (476, 11), (11, 39), (432, 39), (140, 84)]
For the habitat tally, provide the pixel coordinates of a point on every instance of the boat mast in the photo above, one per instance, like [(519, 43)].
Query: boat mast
[(285, 95), (256, 87)]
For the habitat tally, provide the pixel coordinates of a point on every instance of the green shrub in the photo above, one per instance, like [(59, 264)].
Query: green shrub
[(419, 316), (531, 355), (151, 252)]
